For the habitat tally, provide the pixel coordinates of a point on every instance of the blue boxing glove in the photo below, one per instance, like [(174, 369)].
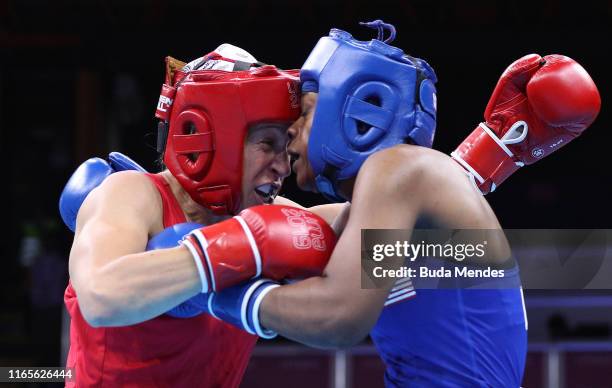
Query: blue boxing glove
[(121, 162), (170, 238), (238, 305), (87, 177)]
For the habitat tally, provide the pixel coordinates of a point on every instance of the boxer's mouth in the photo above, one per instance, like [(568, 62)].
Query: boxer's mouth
[(267, 192)]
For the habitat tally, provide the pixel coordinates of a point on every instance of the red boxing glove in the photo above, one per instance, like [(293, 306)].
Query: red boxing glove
[(278, 242), (538, 106)]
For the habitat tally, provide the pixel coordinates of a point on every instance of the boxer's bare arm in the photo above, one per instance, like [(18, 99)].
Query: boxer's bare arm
[(334, 310), (329, 212), (280, 200), (116, 282)]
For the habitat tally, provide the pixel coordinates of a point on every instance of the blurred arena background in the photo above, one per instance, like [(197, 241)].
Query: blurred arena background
[(82, 78)]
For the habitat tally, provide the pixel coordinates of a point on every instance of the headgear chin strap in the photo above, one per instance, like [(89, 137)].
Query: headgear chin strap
[(371, 96), (207, 114)]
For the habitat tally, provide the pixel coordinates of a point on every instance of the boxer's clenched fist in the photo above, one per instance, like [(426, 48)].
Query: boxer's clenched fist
[(539, 105)]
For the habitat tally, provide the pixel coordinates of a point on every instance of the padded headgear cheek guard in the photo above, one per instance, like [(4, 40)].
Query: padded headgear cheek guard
[(371, 96), (207, 114)]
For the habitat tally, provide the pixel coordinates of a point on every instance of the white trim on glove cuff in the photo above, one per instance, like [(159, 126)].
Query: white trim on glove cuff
[(266, 286)]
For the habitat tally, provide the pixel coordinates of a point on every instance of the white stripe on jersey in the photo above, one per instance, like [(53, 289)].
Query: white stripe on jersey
[(403, 289)]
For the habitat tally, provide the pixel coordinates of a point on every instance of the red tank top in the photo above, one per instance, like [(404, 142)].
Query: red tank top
[(162, 352)]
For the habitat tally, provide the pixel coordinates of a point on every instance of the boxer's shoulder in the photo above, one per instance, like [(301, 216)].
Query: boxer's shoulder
[(128, 186), (122, 195), (406, 165), (406, 177), (410, 155)]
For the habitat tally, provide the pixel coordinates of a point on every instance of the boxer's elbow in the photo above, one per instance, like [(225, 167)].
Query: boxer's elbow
[(97, 318), (331, 315), (96, 309), (344, 328), (345, 335), (98, 305), (343, 318)]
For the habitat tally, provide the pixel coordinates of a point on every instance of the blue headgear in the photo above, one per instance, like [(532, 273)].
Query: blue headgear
[(371, 96)]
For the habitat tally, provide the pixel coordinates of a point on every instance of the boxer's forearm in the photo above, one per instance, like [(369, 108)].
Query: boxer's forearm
[(137, 287), (316, 314)]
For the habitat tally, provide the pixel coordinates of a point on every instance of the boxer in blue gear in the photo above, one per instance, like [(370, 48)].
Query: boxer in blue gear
[(367, 125)]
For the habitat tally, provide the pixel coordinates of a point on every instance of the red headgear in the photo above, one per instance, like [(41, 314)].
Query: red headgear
[(209, 113)]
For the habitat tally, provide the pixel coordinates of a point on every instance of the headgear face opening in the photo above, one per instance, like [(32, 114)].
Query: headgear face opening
[(371, 96), (209, 113)]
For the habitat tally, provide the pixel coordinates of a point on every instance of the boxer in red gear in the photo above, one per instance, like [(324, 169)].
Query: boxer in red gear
[(118, 293), (539, 105)]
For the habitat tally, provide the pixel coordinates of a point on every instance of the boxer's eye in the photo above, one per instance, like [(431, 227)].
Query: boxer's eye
[(267, 142)]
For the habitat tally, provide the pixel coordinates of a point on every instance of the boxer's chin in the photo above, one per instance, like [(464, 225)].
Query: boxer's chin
[(305, 180)]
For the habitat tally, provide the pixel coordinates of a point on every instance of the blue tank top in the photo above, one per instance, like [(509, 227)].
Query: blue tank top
[(453, 337)]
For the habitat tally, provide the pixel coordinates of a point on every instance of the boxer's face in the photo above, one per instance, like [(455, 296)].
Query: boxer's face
[(266, 163), (299, 132)]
